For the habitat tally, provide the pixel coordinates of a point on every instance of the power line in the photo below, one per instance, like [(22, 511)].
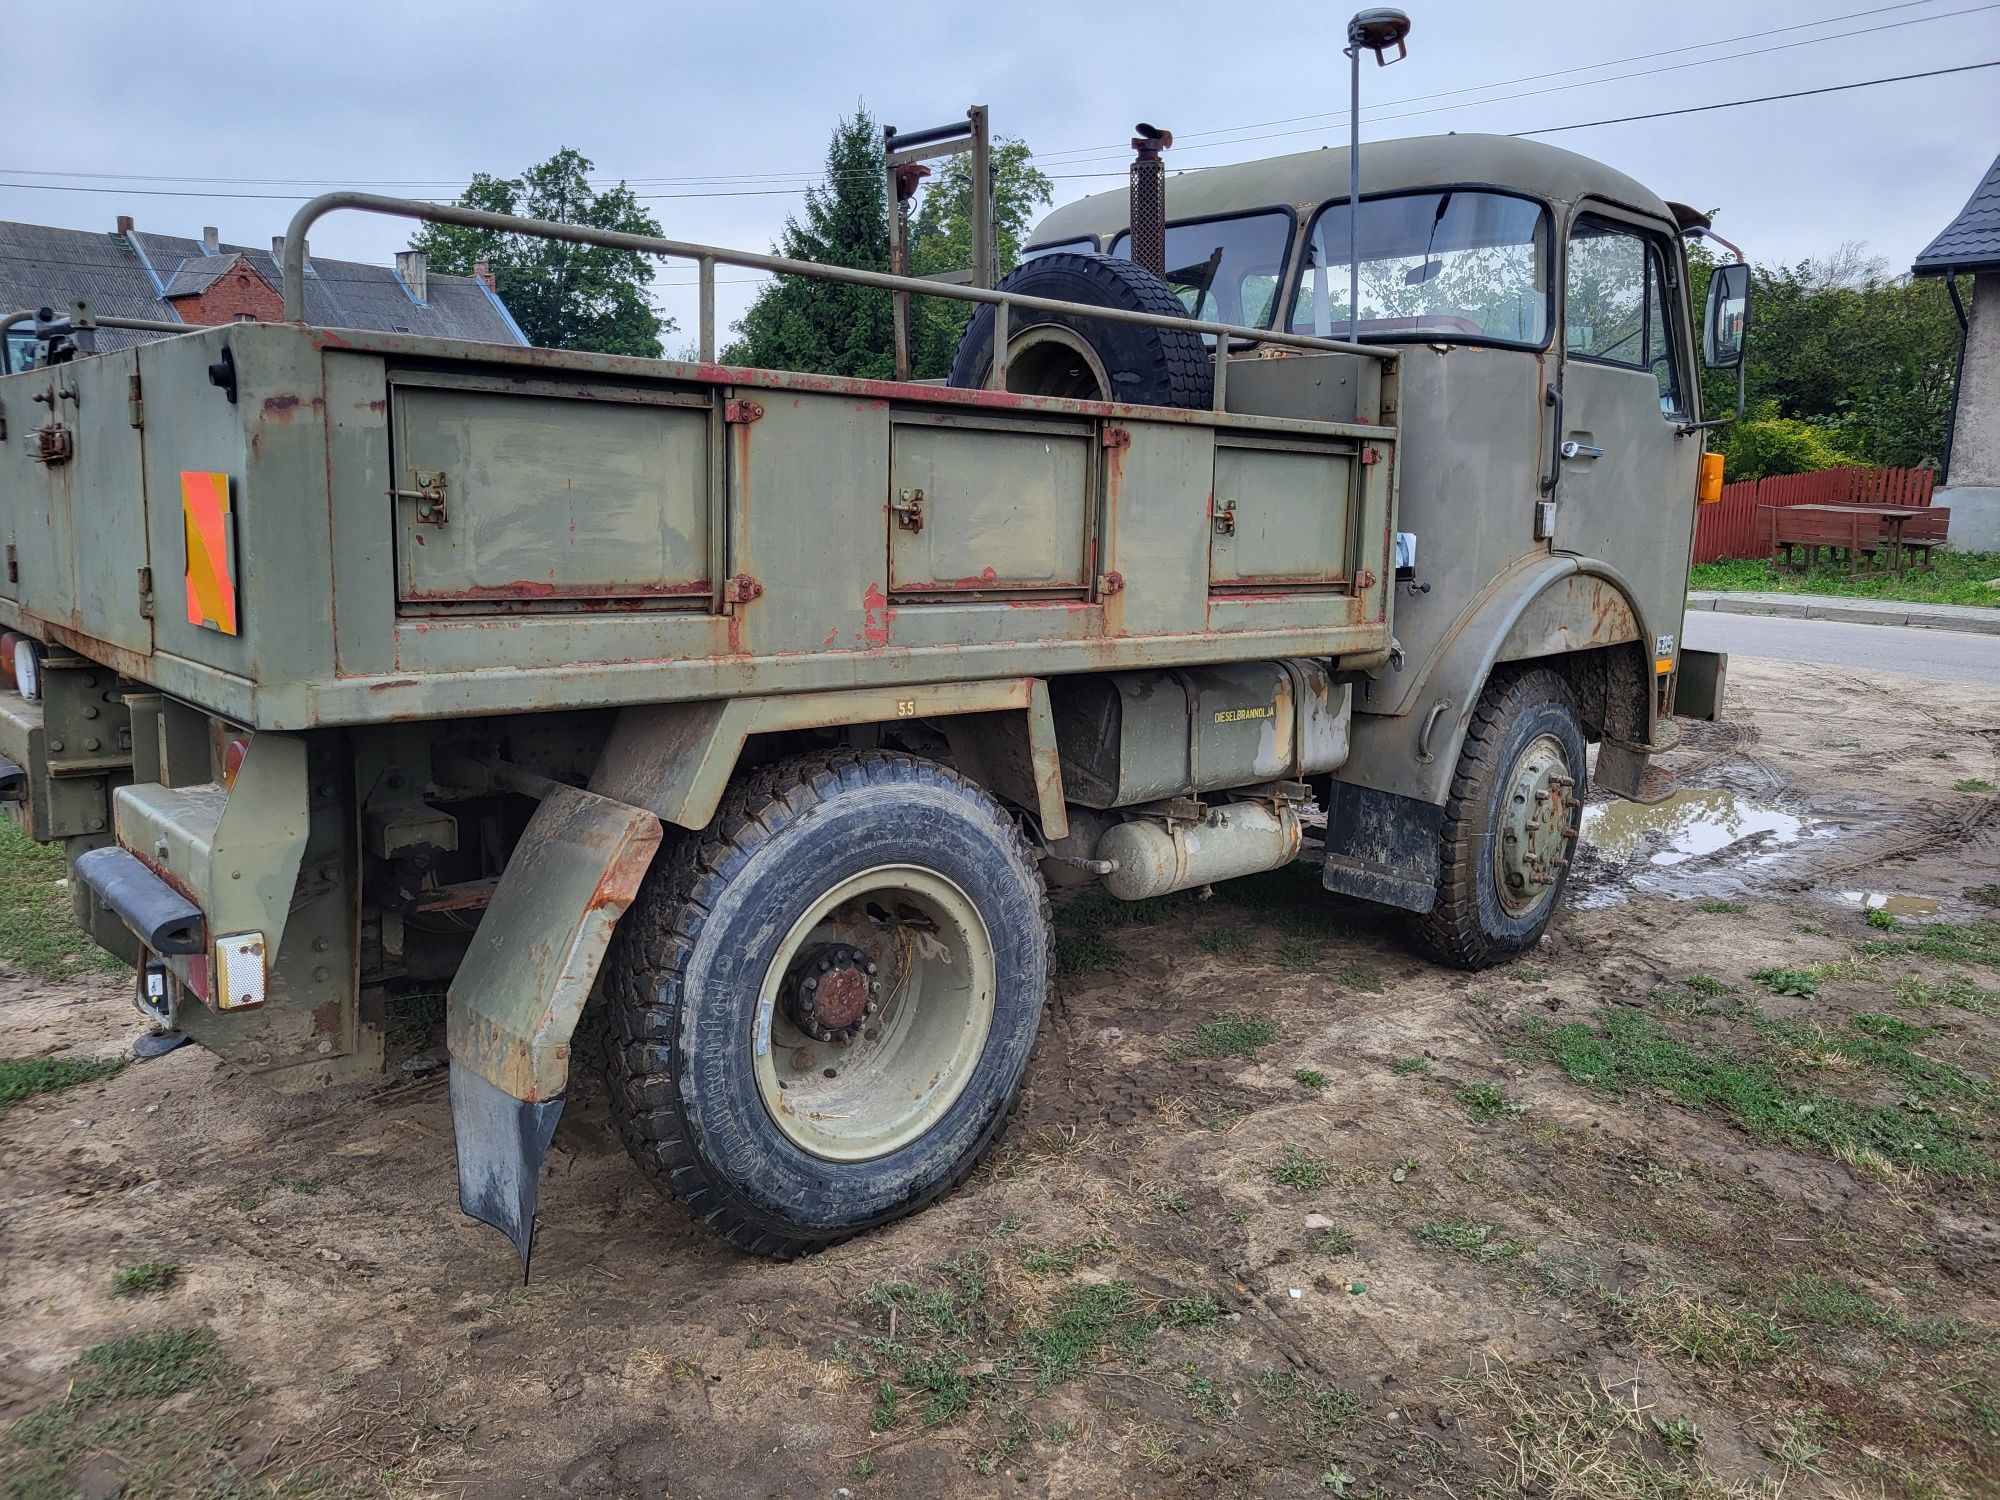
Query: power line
[(1379, 118), (1697, 109)]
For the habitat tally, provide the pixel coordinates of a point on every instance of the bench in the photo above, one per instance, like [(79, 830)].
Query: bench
[(1885, 535)]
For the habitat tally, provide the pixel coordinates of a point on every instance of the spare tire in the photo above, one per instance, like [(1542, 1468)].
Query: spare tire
[(1057, 354)]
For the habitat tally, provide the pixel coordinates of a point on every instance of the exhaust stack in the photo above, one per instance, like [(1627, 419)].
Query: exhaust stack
[(1149, 198)]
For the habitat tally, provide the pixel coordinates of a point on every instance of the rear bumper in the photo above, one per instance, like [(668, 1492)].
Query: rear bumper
[(164, 920)]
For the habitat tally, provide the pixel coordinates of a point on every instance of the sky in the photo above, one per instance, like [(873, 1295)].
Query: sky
[(719, 115)]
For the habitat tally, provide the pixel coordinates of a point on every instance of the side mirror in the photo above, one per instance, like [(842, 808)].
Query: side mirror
[(1727, 318)]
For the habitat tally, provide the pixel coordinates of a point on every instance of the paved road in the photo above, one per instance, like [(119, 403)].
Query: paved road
[(1947, 655)]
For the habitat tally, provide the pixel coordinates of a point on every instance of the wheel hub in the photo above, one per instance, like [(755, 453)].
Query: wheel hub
[(1537, 823), (832, 991)]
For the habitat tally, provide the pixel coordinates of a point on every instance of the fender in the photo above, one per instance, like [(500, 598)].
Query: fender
[(1546, 605)]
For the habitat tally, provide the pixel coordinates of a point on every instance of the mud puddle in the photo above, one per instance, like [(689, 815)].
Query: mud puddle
[(1701, 841)]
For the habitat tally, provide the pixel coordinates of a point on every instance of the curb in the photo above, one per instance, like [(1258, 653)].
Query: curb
[(1967, 618)]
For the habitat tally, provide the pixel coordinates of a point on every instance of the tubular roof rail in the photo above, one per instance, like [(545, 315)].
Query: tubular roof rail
[(708, 257), (80, 317)]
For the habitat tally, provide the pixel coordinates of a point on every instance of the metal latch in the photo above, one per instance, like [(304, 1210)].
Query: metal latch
[(741, 412), (1117, 437), (908, 508), (51, 444), (428, 492), (1225, 519), (741, 589)]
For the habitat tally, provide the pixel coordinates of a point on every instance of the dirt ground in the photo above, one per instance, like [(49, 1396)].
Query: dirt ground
[(1697, 1200)]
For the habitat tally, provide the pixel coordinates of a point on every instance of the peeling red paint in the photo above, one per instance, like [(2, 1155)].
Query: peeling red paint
[(875, 617)]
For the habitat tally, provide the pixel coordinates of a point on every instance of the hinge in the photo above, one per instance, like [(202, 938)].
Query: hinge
[(1364, 579), (134, 401), (1117, 437), (1370, 456), (3, 422), (741, 589), (13, 564), (741, 412), (146, 592), (1111, 583), (1225, 519)]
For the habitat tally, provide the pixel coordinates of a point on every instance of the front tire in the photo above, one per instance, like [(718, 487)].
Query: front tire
[(821, 1007), (1510, 823)]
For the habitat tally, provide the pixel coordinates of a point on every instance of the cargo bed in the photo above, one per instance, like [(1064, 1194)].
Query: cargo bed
[(527, 530)]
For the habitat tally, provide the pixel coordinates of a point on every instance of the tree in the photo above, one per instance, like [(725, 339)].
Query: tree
[(564, 296), (1859, 363), (802, 324), (941, 240)]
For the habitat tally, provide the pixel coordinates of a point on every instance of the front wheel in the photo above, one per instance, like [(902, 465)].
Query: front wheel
[(1510, 823), (821, 1008)]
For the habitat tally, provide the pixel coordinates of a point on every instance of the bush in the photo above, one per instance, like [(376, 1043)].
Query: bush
[(1764, 444)]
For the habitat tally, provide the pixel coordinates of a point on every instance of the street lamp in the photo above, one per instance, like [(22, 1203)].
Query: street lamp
[(1370, 31)]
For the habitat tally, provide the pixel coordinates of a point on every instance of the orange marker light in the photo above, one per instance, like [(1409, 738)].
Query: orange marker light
[(1708, 489), (232, 759)]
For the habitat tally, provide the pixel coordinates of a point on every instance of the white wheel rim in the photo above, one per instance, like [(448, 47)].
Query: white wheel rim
[(910, 1060)]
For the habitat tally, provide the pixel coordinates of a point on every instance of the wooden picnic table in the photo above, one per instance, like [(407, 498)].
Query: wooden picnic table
[(1894, 532)]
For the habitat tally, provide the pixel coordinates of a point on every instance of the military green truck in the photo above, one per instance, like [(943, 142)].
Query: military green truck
[(769, 706)]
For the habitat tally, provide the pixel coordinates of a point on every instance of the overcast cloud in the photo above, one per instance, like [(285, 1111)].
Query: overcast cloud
[(420, 96)]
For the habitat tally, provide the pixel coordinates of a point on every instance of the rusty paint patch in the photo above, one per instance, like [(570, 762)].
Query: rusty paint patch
[(875, 617)]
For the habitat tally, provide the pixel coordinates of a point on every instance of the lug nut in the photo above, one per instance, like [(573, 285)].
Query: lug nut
[(813, 983), (871, 968)]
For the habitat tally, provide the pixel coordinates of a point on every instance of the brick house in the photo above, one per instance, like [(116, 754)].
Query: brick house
[(136, 273)]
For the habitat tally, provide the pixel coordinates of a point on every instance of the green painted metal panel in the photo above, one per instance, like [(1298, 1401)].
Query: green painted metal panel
[(550, 498), (1282, 514), (1002, 508), (107, 501)]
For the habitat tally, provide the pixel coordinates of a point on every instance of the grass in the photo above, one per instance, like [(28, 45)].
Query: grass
[(1484, 1103), (1085, 925), (1578, 1440), (111, 1407), (1335, 1241), (37, 930), (1957, 578), (1464, 1237), (21, 1077), (1225, 942), (146, 1276), (1409, 1066), (1299, 953), (1722, 908), (1672, 1318), (1985, 895), (1299, 1168), (1955, 990), (1827, 1303), (1950, 942), (940, 1350), (1800, 983), (1311, 1412), (1622, 1052), (1972, 784), (1310, 1078), (1229, 1035)]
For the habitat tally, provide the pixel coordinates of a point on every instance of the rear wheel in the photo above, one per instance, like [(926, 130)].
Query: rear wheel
[(1510, 823), (821, 1007)]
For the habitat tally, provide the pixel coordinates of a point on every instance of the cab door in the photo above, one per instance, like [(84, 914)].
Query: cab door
[(1625, 473)]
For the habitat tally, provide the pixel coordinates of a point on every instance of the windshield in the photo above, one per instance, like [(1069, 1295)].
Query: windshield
[(1225, 270), (1454, 263)]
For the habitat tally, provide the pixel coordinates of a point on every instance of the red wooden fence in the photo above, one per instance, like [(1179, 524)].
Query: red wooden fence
[(1728, 528)]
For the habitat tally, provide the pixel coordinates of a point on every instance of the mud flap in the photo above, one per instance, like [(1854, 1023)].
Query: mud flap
[(1382, 848), (515, 1000)]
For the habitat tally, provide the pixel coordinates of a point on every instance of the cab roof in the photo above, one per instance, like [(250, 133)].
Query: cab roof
[(1307, 179)]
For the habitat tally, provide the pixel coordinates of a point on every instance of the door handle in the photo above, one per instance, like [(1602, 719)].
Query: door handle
[(1571, 448)]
